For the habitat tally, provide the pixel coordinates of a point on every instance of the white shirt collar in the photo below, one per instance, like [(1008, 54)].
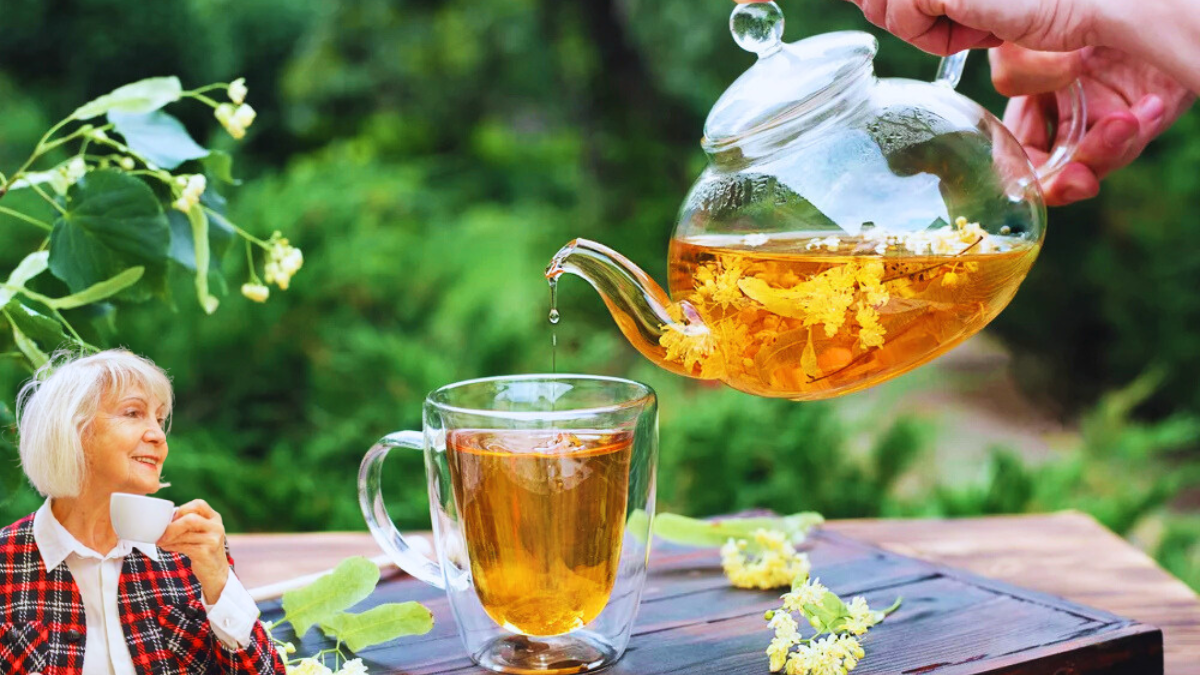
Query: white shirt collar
[(55, 543)]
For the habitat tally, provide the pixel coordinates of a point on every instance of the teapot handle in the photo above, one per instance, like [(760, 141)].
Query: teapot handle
[(1067, 142)]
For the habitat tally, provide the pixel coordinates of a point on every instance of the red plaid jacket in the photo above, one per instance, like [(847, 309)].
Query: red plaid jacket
[(43, 630)]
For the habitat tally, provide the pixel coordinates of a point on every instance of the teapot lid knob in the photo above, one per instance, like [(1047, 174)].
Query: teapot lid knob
[(757, 27)]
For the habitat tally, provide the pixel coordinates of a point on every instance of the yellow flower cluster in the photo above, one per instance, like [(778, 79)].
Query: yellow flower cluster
[(283, 261), (854, 289), (838, 652), (946, 240), (238, 91), (693, 350), (719, 283), (235, 119), (695, 347), (830, 655), (256, 292), (190, 189), (776, 566), (827, 298)]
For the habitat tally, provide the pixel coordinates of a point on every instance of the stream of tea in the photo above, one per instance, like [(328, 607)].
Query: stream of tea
[(554, 316)]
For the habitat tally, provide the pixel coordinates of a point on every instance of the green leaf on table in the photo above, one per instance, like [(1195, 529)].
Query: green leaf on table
[(157, 136), (347, 585), (33, 265), (831, 612), (100, 291), (142, 96), (113, 221), (695, 532), (199, 222), (220, 166), (38, 327), (379, 624)]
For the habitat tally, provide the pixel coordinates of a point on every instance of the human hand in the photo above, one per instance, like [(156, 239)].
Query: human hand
[(947, 26), (198, 532), (1129, 103)]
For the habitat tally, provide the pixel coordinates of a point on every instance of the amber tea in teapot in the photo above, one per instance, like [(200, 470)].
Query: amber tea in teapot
[(811, 319)]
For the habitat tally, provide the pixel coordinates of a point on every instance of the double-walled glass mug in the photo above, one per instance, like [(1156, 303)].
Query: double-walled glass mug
[(541, 492)]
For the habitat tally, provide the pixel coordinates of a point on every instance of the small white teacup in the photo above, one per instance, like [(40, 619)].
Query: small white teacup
[(140, 518)]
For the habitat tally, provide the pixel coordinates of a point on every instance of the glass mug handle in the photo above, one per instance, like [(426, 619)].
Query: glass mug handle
[(949, 74), (370, 498)]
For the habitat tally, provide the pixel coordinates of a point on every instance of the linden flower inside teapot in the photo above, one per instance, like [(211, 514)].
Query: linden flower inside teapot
[(846, 230)]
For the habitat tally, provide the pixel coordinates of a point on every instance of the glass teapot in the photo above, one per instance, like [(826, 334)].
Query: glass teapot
[(846, 230)]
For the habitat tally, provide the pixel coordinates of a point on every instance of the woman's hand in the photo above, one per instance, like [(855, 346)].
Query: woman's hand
[(1129, 101), (198, 533)]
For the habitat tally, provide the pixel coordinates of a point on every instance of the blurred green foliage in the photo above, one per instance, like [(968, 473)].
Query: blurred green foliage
[(430, 157)]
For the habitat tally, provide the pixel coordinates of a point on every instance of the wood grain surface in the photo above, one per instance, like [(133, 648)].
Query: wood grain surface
[(1064, 554)]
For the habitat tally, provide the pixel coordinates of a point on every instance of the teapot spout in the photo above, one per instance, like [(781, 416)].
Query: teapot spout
[(672, 335)]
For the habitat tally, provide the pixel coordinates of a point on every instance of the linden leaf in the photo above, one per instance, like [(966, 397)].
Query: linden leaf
[(777, 300), (695, 532), (99, 291), (638, 524), (36, 326), (142, 96), (220, 166), (833, 607), (347, 585), (33, 265), (379, 624), (157, 136), (27, 346), (113, 221)]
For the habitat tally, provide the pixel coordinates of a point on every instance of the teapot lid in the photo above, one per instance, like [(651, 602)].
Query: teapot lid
[(786, 77)]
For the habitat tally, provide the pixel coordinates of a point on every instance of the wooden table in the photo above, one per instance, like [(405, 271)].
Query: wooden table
[(1067, 554)]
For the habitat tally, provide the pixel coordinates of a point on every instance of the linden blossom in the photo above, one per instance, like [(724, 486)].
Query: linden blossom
[(778, 563), (834, 649), (824, 299)]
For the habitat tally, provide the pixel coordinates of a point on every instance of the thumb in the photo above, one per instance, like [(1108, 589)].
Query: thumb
[(1017, 71)]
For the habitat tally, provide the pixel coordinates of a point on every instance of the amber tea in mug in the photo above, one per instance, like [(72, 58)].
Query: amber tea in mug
[(543, 514)]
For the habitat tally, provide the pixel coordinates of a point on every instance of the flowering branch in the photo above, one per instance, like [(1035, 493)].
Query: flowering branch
[(760, 553), (129, 205)]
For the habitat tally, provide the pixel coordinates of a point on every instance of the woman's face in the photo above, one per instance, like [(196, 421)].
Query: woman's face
[(126, 446)]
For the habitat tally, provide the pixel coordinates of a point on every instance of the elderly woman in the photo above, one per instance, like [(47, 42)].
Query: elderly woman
[(75, 599)]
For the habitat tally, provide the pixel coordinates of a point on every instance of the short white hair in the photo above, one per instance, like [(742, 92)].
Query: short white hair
[(56, 408)]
